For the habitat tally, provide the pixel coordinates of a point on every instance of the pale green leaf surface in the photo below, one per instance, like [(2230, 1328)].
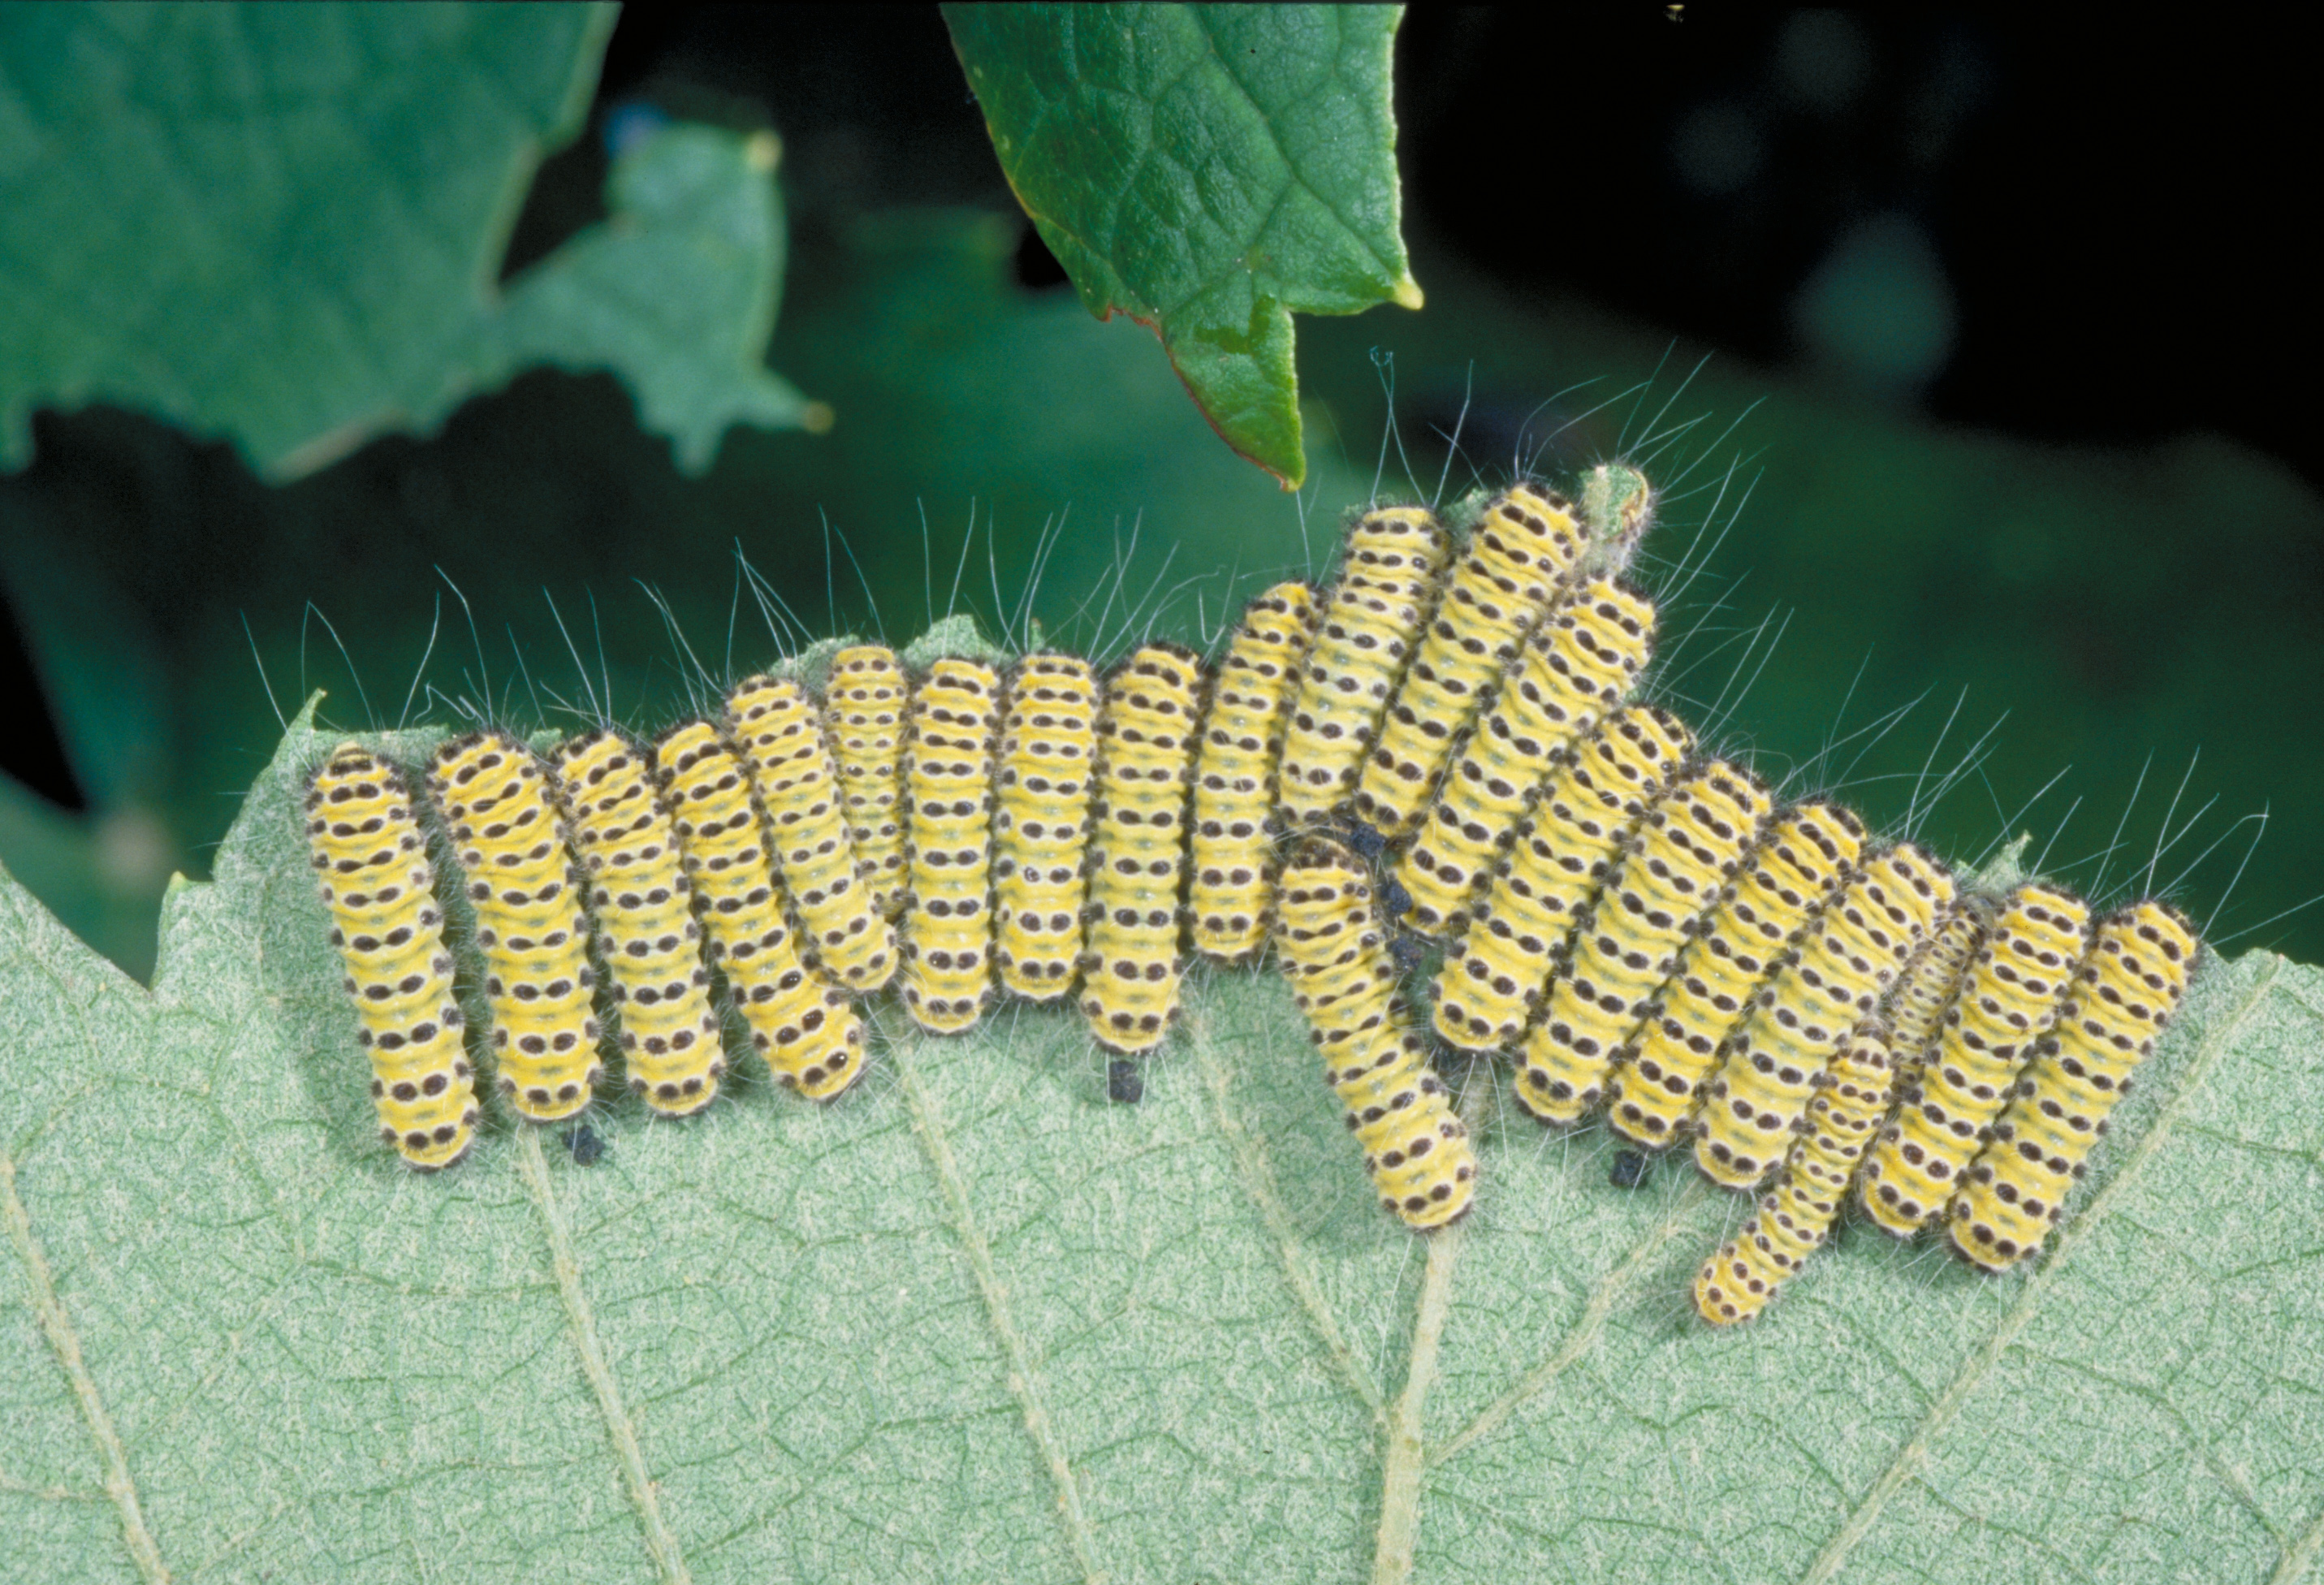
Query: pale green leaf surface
[(282, 225), (975, 1323), (1207, 171)]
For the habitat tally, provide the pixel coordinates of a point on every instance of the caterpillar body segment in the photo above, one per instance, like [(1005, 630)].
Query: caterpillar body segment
[(1674, 867), (1364, 641), (1806, 853), (1131, 971), (1516, 562), (1233, 868), (805, 1027), (371, 863), (525, 891), (1831, 981), (1041, 827), (1492, 983), (2121, 997), (2007, 1002), (776, 728), (866, 702), (1576, 666), (948, 945), (1796, 1214), (1332, 943), (644, 909)]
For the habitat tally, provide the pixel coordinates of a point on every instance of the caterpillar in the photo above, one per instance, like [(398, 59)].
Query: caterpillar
[(646, 930), (1234, 774), (2007, 1002), (1679, 859), (1517, 560), (2125, 992), (1916, 1008), (1040, 832), (1362, 643), (522, 887), (1491, 983), (1834, 978), (1331, 941), (865, 701), (1138, 862), (372, 865), (805, 1027), (1575, 666), (1794, 1217), (777, 729), (948, 794), (1807, 852)]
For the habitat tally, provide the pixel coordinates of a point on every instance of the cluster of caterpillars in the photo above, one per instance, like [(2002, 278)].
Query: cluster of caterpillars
[(1647, 932), (1444, 743), (959, 833)]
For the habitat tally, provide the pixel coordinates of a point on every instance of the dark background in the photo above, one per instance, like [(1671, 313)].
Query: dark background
[(2007, 310)]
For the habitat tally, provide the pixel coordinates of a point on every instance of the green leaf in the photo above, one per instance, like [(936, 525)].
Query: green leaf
[(974, 1322), (282, 225), (1207, 171)]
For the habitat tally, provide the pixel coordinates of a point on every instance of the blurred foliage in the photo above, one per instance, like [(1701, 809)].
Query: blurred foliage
[(2119, 606), (1205, 169), (280, 225)]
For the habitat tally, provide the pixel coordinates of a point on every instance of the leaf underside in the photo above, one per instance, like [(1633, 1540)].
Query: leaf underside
[(1207, 171), (282, 226), (972, 1322)]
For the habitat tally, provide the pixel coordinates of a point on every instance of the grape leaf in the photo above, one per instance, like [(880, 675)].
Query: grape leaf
[(282, 224), (1207, 171), (974, 1322)]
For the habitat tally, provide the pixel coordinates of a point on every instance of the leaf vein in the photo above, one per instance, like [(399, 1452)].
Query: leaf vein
[(143, 1551), (1906, 1464), (669, 1561), (1257, 1174), (1025, 1382), (1585, 1330)]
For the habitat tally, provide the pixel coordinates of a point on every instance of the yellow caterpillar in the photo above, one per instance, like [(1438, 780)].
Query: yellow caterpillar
[(1806, 853), (864, 703), (1516, 562), (1794, 1217), (1684, 852), (1234, 773), (2125, 992), (523, 888), (948, 787), (1372, 619), (2007, 1002), (1332, 941), (1833, 979), (805, 1027), (372, 863), (1492, 983), (772, 723), (1575, 666), (1137, 863), (1040, 832), (646, 929)]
